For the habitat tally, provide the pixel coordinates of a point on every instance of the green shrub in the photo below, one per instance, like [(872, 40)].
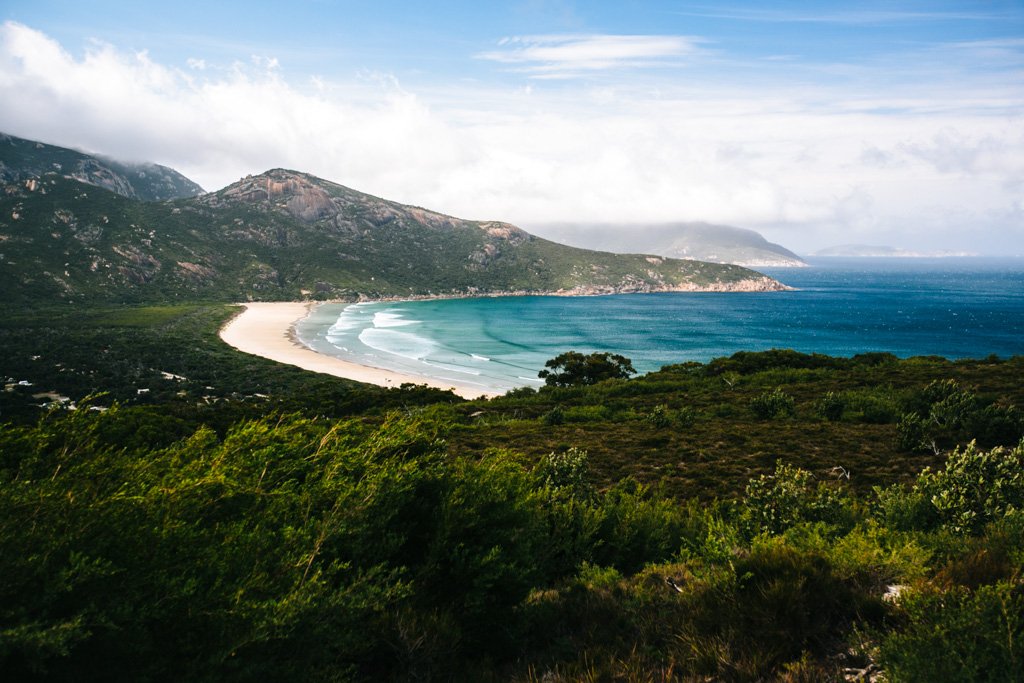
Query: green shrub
[(910, 432), (775, 502), (958, 636), (639, 527), (772, 404), (686, 417), (567, 470), (777, 606), (904, 508), (830, 407), (952, 411), (659, 417), (996, 425), (975, 487), (749, 362), (554, 417)]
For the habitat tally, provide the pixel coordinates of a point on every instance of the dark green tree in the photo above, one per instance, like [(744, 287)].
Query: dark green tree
[(574, 369)]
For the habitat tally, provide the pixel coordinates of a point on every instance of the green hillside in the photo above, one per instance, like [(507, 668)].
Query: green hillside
[(22, 159), (285, 235)]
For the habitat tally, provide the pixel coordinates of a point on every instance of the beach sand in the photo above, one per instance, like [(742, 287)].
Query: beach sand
[(265, 329)]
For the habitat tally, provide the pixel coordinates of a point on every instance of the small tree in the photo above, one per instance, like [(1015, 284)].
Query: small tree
[(576, 369)]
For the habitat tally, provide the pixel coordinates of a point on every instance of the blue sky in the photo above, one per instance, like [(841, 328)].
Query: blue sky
[(817, 123)]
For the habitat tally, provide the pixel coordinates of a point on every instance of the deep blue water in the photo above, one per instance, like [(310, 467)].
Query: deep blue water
[(950, 307)]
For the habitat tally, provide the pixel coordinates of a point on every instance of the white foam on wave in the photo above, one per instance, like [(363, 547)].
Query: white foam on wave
[(402, 344), (391, 319), (350, 318), (532, 379), (452, 368), (476, 357)]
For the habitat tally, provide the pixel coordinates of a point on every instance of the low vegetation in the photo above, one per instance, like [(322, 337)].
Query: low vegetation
[(206, 515)]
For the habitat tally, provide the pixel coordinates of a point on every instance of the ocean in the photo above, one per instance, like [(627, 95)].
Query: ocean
[(952, 307)]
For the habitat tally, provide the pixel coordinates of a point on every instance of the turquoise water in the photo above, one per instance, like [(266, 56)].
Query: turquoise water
[(958, 308)]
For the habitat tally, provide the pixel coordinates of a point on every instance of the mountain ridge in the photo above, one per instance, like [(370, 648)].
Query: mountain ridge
[(71, 241), (22, 159), (288, 235)]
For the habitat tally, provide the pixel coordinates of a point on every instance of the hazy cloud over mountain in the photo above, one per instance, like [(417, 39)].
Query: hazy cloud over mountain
[(920, 145)]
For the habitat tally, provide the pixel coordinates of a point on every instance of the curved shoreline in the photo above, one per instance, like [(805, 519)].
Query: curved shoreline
[(266, 329)]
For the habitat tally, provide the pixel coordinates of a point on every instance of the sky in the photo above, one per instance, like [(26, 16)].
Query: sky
[(895, 123)]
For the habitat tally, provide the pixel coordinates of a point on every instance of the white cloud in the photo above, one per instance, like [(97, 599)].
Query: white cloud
[(810, 167), (565, 55)]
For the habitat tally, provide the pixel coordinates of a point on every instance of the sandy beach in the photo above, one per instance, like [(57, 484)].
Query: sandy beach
[(264, 329)]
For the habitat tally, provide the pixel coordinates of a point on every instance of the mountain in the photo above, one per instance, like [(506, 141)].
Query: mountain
[(699, 241), (22, 159), (285, 235), (868, 251)]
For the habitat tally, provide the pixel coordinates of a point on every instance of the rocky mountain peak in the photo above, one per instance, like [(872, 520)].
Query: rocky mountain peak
[(301, 196)]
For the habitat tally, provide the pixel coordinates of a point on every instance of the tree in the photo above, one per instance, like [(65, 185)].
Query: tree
[(575, 369)]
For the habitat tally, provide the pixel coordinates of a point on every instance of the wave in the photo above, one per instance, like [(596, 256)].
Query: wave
[(350, 318), (404, 344), (453, 368), (476, 357), (391, 318)]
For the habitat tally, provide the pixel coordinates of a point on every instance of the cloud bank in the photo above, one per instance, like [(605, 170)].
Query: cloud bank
[(919, 162)]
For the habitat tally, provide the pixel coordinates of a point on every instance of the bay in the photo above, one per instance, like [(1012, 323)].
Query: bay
[(956, 308)]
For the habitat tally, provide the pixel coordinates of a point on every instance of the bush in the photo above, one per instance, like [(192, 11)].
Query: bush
[(659, 417), (958, 636), (749, 362), (686, 417), (952, 411), (910, 432), (554, 417), (772, 404), (567, 470), (975, 487), (775, 502), (904, 509), (996, 425), (830, 407), (777, 606), (638, 527)]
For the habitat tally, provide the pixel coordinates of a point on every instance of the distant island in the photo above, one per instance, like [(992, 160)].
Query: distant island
[(869, 251), (683, 240)]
